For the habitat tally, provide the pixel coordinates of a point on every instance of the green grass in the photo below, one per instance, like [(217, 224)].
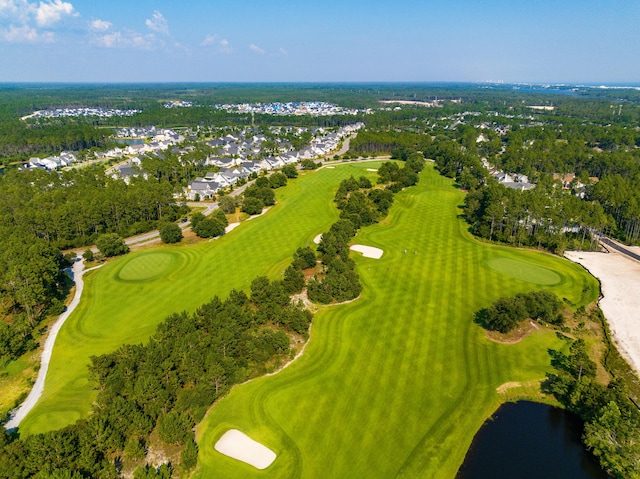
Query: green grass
[(523, 271), (125, 300), (397, 383)]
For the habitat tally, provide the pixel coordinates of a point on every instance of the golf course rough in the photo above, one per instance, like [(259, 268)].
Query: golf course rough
[(397, 383)]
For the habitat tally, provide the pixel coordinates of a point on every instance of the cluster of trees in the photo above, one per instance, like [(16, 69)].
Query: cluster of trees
[(260, 194), (72, 208), (20, 141), (165, 386), (388, 142), (210, 226), (612, 421), (338, 280), (506, 313)]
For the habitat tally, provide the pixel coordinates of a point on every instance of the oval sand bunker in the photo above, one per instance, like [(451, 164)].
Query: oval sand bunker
[(367, 251), (238, 445)]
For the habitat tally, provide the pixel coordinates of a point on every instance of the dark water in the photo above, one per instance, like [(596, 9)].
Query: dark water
[(527, 440)]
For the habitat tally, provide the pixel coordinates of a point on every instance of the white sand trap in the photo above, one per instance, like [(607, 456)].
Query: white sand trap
[(372, 169), (238, 445), (330, 167), (620, 281), (367, 251), (231, 227), (317, 239)]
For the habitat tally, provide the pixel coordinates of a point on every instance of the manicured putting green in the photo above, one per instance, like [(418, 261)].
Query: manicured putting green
[(525, 271), (146, 267)]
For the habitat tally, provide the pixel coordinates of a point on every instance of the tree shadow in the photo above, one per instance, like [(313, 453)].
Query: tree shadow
[(481, 317)]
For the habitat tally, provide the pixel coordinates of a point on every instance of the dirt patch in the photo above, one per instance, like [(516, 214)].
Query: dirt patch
[(514, 336), (503, 388)]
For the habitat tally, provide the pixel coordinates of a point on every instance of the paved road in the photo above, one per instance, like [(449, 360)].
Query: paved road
[(619, 248)]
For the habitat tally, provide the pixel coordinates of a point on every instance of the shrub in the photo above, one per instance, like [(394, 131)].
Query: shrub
[(111, 244), (170, 233)]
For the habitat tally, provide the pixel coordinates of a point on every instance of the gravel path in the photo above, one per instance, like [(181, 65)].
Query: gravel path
[(20, 413)]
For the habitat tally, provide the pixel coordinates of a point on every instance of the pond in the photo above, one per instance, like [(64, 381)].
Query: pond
[(527, 440)]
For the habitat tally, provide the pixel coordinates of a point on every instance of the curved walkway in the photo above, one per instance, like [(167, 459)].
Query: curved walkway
[(21, 412)]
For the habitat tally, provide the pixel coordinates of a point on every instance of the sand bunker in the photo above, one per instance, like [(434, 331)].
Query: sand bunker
[(317, 239), (367, 251), (330, 167), (620, 280), (238, 445), (372, 169)]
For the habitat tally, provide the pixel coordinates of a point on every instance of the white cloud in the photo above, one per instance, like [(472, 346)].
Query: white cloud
[(25, 34), (100, 25), (16, 10), (127, 39), (157, 23), (24, 19), (283, 51), (256, 49), (221, 45), (52, 12)]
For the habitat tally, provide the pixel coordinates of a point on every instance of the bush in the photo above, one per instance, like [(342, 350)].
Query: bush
[(111, 244), (290, 171), (170, 233), (209, 228), (228, 204), (277, 180), (252, 205), (88, 255)]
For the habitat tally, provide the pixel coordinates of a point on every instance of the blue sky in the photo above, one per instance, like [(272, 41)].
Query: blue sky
[(590, 41)]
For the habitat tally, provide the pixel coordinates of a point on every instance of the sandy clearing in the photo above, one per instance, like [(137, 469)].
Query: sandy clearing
[(367, 251), (238, 445), (231, 227), (620, 282), (38, 387), (317, 239)]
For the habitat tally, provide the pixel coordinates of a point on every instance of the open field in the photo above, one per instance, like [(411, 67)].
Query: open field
[(125, 300), (396, 383)]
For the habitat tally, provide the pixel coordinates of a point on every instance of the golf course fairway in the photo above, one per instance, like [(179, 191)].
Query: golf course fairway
[(125, 300), (397, 383)]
